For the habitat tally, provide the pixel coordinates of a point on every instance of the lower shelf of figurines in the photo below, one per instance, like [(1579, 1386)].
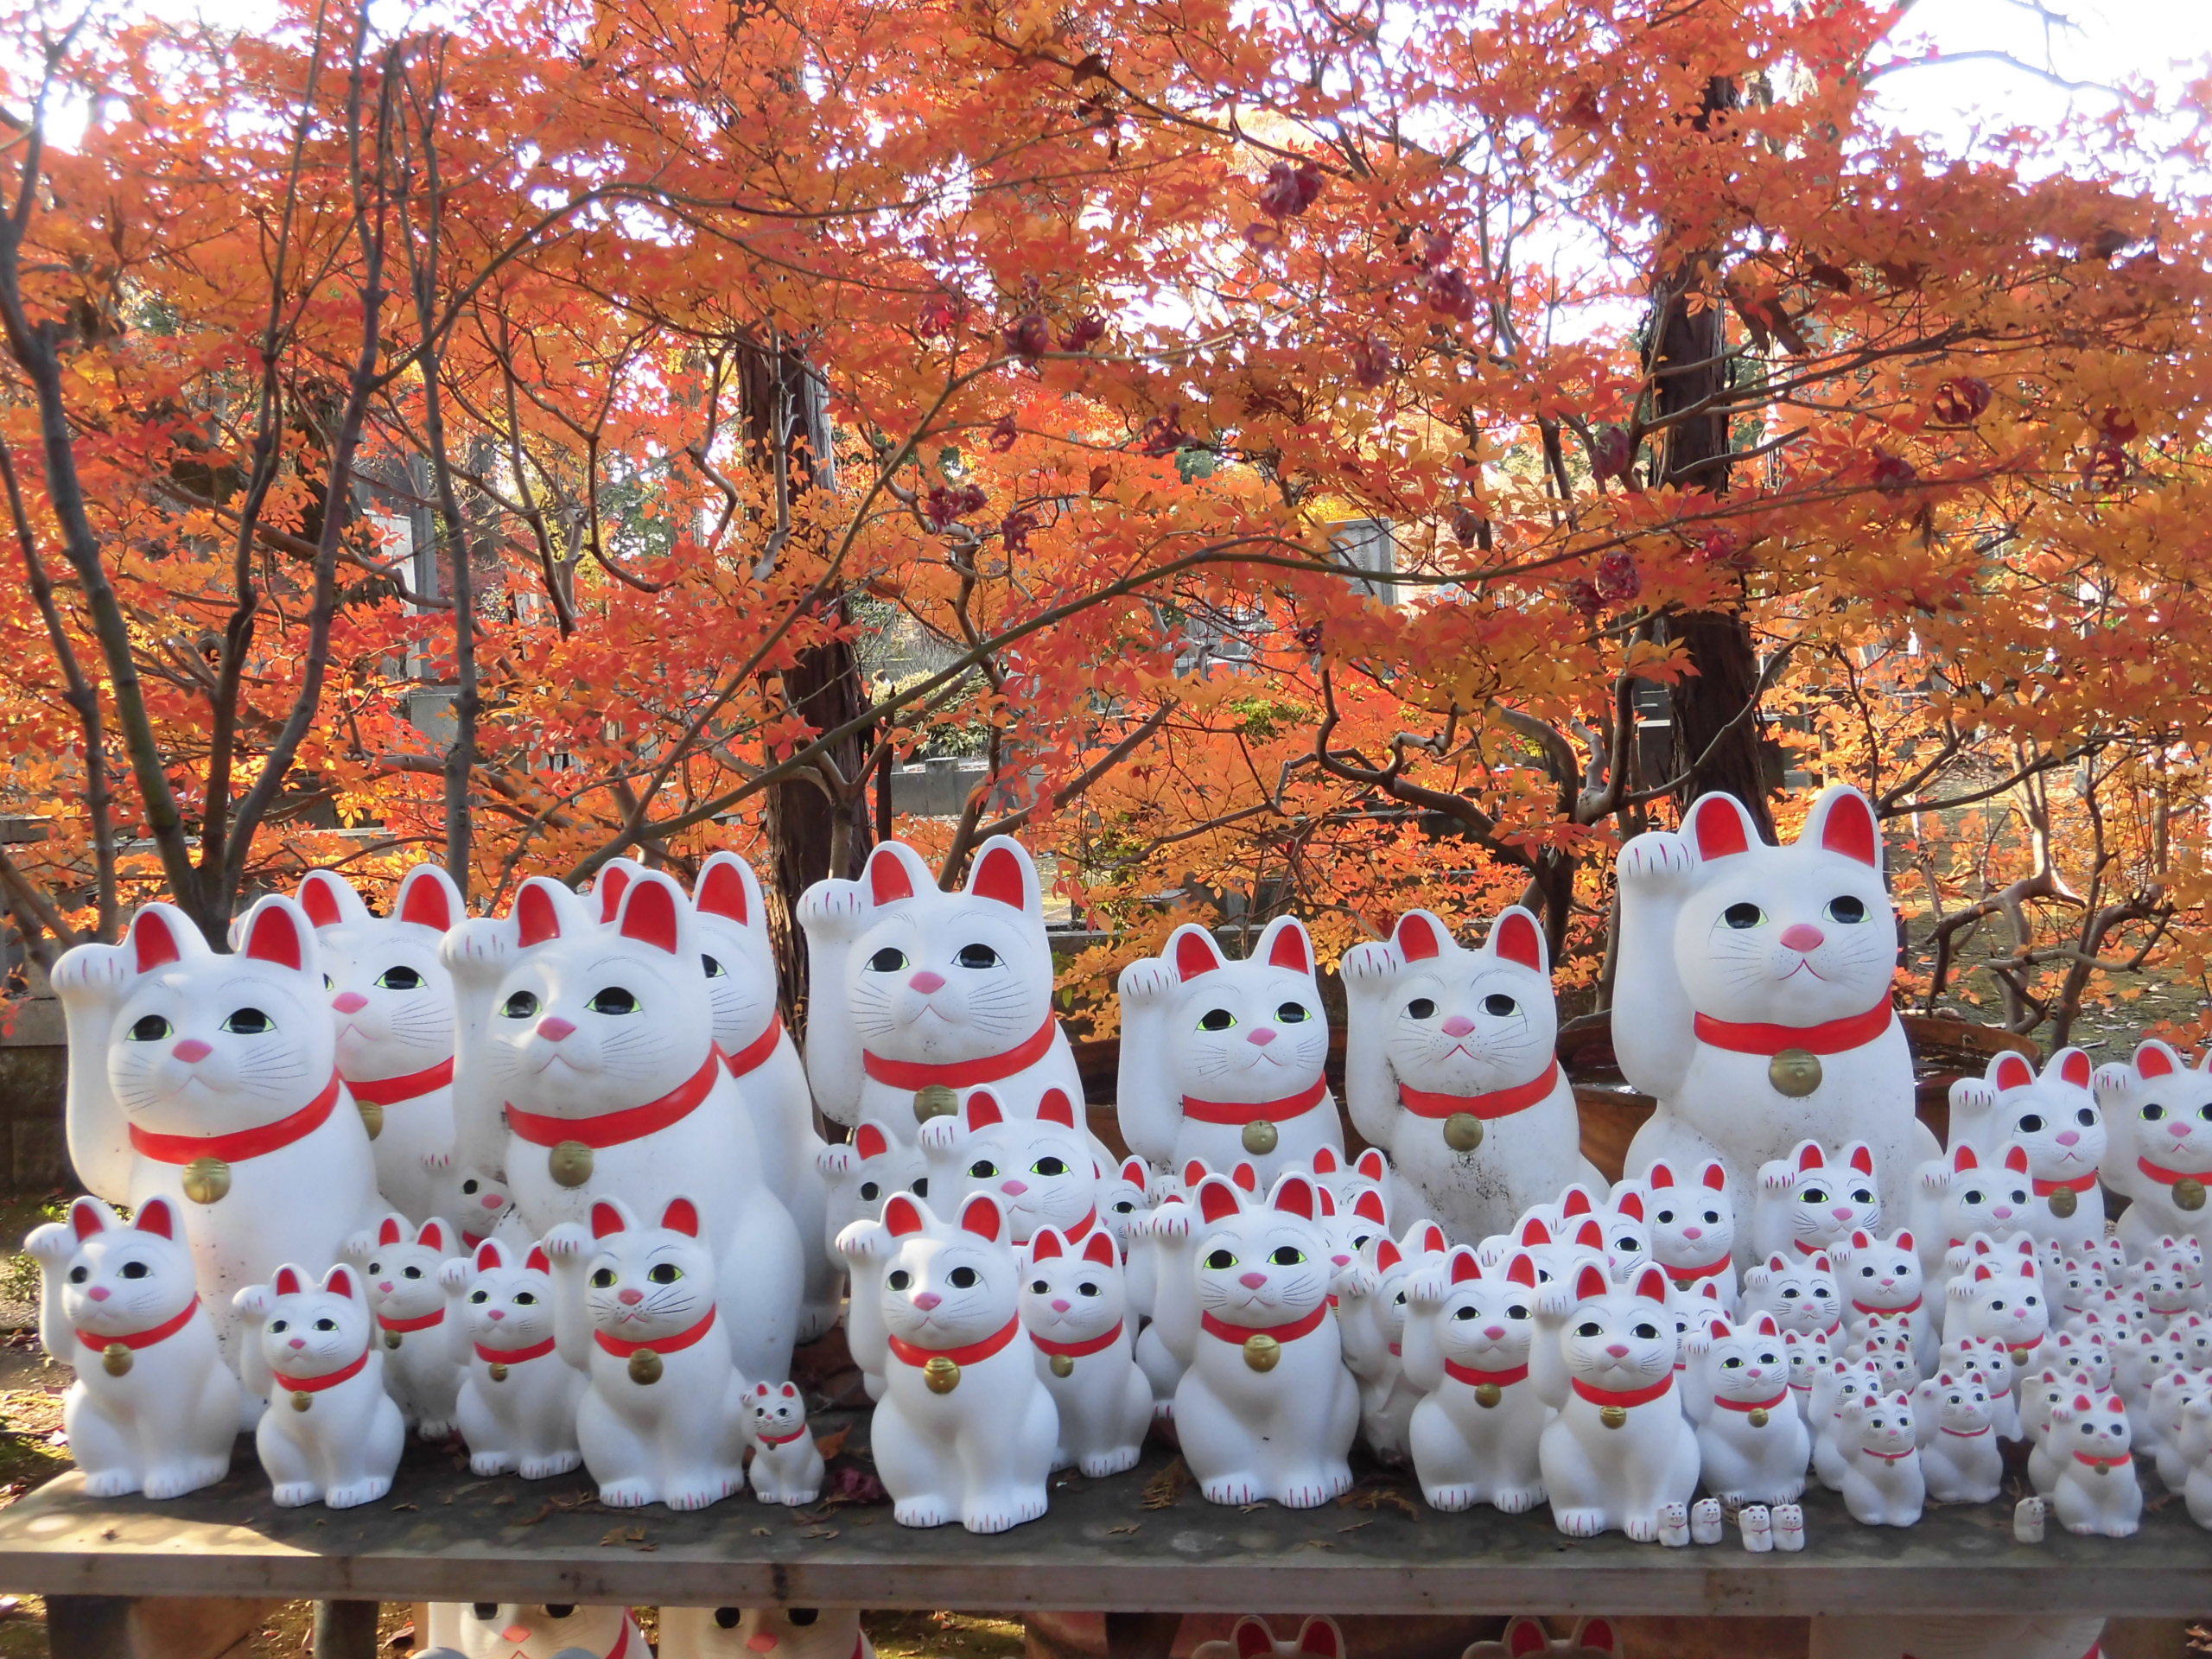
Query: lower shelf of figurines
[(1145, 1539)]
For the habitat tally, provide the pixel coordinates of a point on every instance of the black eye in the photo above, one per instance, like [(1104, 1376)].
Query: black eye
[(1590, 1328), (1049, 1167), (136, 1270), (1813, 1195), (1647, 1332), (1731, 1363), (2153, 1112), (1665, 1217), (982, 1169), (525, 1298), (279, 1325), (1292, 1013), (889, 960), (2031, 1123), (486, 1610), (1040, 1287), (2086, 1117), (470, 1186), (1845, 908), (1124, 1207), (726, 1617), (412, 1272), (602, 1278), (1626, 1243), (1790, 1293), (920, 1186), (1713, 1217), (1514, 1310), (1743, 915), (480, 1297), (664, 1273), (1216, 1019), (1500, 1005), (2020, 1195), (964, 1278), (400, 979), (977, 955), (1285, 1256), (1974, 1195), (78, 1275), (1866, 1273), (899, 1278), (326, 1324), (249, 1022), (802, 1615), (1420, 1009), (1221, 1259), (1999, 1303), (1086, 1288), (870, 1191), (521, 1006), (1862, 1195), (1465, 1313), (149, 1028), (613, 1000), (714, 969), (560, 1609)]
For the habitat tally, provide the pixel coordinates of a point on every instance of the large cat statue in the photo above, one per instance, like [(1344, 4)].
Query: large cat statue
[(1222, 1060), (2159, 1110), (392, 1000), (913, 987), (485, 1629), (771, 1632), (1448, 1063), (1752, 997), (212, 1081), (602, 1041)]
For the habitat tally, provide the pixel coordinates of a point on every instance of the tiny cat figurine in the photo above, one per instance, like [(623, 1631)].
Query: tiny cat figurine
[(859, 1176), (1883, 1485), (153, 1409), (1267, 1408), (1808, 1356), (485, 1629), (1222, 1060), (1317, 1637), (1121, 1199), (1964, 1195), (1525, 1637), (1881, 1278), (763, 1633), (332, 1433), (1807, 1205), (1040, 1169), (1620, 1448), (1800, 1292), (1448, 1063), (2096, 1492), (1752, 995), (212, 1081), (1845, 1382), (965, 1430), (2158, 1154), (1075, 1307), (1752, 1446), (914, 987), (422, 1348), (787, 1466), (393, 1002), (1473, 1433), (1693, 1222), (1957, 1430), (2055, 1118), (518, 1402), (665, 1418), (1987, 1301)]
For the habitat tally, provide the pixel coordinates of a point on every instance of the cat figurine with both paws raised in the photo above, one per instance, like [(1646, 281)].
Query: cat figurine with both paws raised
[(763, 1633), (332, 1433), (787, 1466), (153, 1409), (1075, 1307), (1474, 1432), (516, 1407), (400, 1266)]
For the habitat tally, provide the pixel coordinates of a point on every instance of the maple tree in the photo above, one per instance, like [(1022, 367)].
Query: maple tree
[(778, 394)]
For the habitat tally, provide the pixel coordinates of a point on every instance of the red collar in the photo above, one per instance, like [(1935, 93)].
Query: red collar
[(1290, 1332), (1082, 1229), (1271, 1111), (963, 1074), (914, 1354), (1498, 1102), (1077, 1350), (317, 1384), (1965, 1434), (514, 1356), (421, 1322), (782, 1440), (1474, 1378), (2158, 1173), (1641, 1397), (1889, 1456), (2079, 1184), (1811, 1250), (2096, 1462), (755, 1053), (682, 1340), (1752, 1405), (391, 1091), (1855, 1030), (633, 1123), (1912, 1307), (242, 1143), (138, 1339), (1686, 1277)]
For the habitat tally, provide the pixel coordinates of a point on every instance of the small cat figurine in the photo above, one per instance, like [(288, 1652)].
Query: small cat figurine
[(1693, 1225), (1957, 1429), (1164, 1239), (1267, 1408), (486, 1629), (1474, 1432), (1752, 1446), (665, 1417), (1040, 1168), (478, 1203), (1075, 1307), (966, 1429), (1807, 1205), (1222, 1060), (1372, 1310), (1965, 1195), (1525, 1637), (2097, 1493), (1448, 1063), (787, 1466), (1800, 1292), (1845, 1382), (1752, 995), (153, 1409), (912, 986), (394, 1007), (859, 1177), (2055, 1118), (516, 1407), (212, 1081), (2158, 1154), (1808, 1357), (422, 1348), (1121, 1199), (1987, 1301), (763, 1633), (1621, 1447), (1881, 1278), (1317, 1637), (1883, 1485), (333, 1432)]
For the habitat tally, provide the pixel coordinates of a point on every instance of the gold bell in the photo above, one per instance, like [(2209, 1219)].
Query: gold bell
[(1260, 1137), (206, 1180), (1062, 1365), (569, 1163), (371, 1117), (941, 1375), (1262, 1353), (1794, 1072), (1463, 1131), (1487, 1395), (645, 1367), (2019, 1357), (2188, 1194), (935, 1100), (2101, 1468), (303, 1400), (1758, 1414), (498, 1370), (116, 1360), (392, 1338), (1613, 1416), (2063, 1203)]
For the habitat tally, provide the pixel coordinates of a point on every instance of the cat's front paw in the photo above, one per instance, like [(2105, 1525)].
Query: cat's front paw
[(865, 1241), (1519, 1500), (1448, 1500), (1641, 1529), (496, 1463), (1231, 1489), (255, 1302), (291, 1494), (627, 1494), (355, 1493), (51, 1244), (480, 949), (567, 1243), (1368, 967), (455, 1271), (693, 1496), (834, 1163), (1657, 863), (1100, 1464), (92, 973), (1580, 1523), (1357, 1281), (546, 1467), (920, 1512), (835, 910), (1148, 983), (114, 1483), (940, 1134), (1172, 1221)]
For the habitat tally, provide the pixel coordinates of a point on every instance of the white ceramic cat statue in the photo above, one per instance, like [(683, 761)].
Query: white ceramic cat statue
[(787, 1466), (486, 1629), (422, 1347), (1957, 1427), (2055, 1117), (763, 1633), (1883, 1485), (1693, 1222), (1473, 1435), (1752, 997), (1317, 1637), (1267, 1408), (153, 1409), (862, 1173), (912, 986), (1448, 1063), (1222, 1060), (393, 1002), (1963, 1195), (2159, 1111), (332, 1432), (1807, 1203), (965, 1430), (1882, 1279), (518, 1402), (1372, 1308), (1042, 1169), (2097, 1493), (211, 1080), (1752, 1445), (1800, 1292), (602, 1039), (665, 1418), (1620, 1447), (1075, 1307)]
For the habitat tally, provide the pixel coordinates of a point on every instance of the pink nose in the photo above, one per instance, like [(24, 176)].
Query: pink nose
[(2176, 1130), (499, 1312), (761, 1641), (1262, 1037), (1692, 1232), (1013, 1188), (1841, 1212), (491, 1201), (1457, 1025), (631, 1297), (2003, 1212), (98, 1293), (1618, 1350), (2068, 1137), (384, 1284), (1251, 1280), (925, 982), (515, 1633), (1804, 936), (1061, 1305), (1495, 1332), (192, 1051), (349, 1002), (553, 1027), (299, 1342), (927, 1300), (1338, 1261)]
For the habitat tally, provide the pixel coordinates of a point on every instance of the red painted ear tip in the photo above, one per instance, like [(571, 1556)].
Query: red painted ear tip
[(868, 1140), (288, 1282), (981, 1215), (1195, 953), (1718, 825), (537, 918), (1101, 1248), (388, 1230), (682, 1215), (1290, 950), (85, 1218), (153, 942), (982, 1109), (316, 899), (535, 1261), (1218, 1197), (1045, 1243), (605, 1219), (902, 1215), (425, 901), (999, 875), (1517, 939), (1589, 1282), (1416, 937), (1848, 827), (274, 935), (1296, 1194), (155, 1215), (1055, 1108)]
